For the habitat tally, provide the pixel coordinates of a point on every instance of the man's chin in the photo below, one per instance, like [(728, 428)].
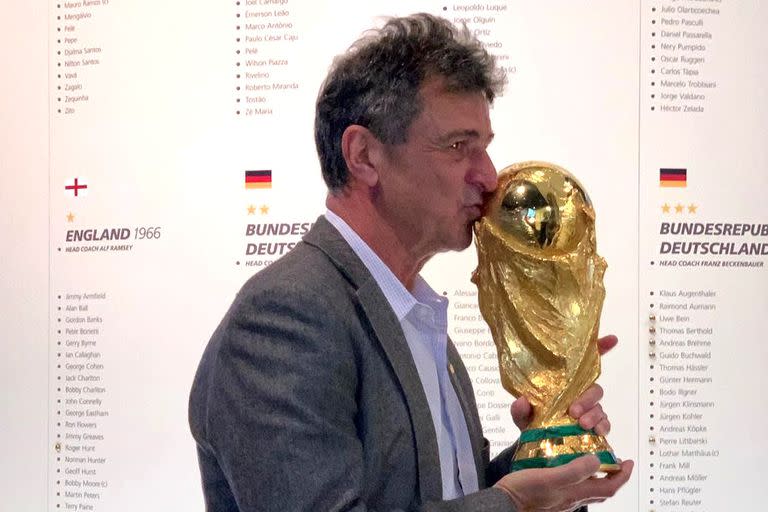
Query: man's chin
[(457, 241), (466, 240)]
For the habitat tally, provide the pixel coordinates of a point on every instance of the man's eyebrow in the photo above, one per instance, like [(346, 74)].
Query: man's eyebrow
[(474, 134)]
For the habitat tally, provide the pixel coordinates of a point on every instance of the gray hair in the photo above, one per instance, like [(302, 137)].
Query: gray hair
[(376, 83)]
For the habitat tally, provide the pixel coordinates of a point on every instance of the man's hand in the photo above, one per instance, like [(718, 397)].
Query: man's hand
[(586, 409), (563, 488), (572, 485)]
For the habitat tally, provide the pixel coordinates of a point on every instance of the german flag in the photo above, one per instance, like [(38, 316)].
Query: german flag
[(258, 179), (673, 177)]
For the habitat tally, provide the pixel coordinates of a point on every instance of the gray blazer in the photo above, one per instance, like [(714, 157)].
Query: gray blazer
[(307, 397)]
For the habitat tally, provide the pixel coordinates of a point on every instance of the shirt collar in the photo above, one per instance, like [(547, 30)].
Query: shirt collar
[(399, 298)]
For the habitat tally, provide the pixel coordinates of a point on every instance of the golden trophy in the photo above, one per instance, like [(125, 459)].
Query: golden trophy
[(540, 289)]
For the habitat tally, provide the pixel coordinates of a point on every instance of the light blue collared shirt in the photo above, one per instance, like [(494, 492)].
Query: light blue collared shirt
[(423, 315)]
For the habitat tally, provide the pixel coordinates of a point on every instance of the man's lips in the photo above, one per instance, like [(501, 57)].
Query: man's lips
[(475, 211)]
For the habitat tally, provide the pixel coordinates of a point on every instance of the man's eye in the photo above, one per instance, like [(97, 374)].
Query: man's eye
[(457, 145)]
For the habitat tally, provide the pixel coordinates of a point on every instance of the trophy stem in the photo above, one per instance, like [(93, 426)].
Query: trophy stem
[(557, 445)]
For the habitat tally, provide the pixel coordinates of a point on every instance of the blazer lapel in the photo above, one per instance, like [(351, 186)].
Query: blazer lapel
[(458, 374), (390, 335)]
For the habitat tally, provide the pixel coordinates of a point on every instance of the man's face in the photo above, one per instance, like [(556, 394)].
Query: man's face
[(432, 185)]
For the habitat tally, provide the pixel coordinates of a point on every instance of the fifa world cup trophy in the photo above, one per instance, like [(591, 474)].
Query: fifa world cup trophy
[(540, 289)]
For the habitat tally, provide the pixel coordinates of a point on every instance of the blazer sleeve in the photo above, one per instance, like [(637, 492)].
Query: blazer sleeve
[(280, 408)]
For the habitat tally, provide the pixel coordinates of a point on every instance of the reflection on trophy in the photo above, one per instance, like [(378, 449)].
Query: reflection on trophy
[(540, 288)]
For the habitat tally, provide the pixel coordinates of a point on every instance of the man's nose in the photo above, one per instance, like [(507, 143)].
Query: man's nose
[(483, 172)]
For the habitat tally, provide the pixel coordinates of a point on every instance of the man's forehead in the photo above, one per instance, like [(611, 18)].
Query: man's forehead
[(454, 114)]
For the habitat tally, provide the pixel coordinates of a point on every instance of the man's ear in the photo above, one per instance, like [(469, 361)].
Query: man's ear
[(361, 150)]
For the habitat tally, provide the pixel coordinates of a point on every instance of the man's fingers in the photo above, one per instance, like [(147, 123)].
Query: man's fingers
[(592, 417), (521, 412), (595, 419), (586, 401), (606, 343), (604, 427), (575, 472), (595, 489), (564, 487)]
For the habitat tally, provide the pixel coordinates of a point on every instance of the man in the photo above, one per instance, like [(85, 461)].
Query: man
[(331, 384)]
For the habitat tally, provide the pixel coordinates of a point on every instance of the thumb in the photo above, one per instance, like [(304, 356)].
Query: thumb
[(521, 412)]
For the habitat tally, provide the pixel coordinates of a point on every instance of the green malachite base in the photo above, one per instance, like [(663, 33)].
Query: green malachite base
[(560, 437), (543, 462), (537, 434)]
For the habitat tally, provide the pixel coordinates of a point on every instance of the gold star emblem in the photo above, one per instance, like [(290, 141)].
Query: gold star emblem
[(70, 217), (665, 208), (251, 209), (692, 208), (264, 209), (679, 208)]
